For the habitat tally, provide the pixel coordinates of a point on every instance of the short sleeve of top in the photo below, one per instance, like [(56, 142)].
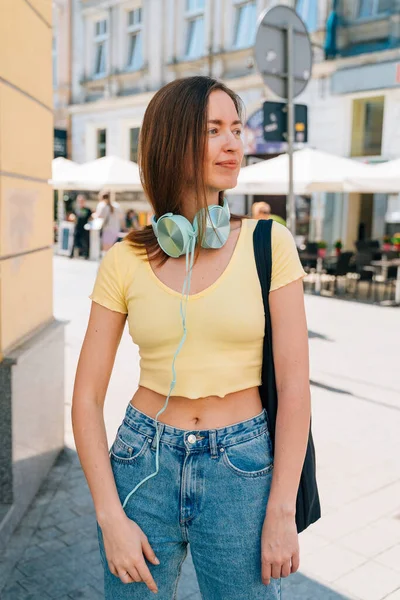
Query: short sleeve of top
[(286, 265), (108, 287)]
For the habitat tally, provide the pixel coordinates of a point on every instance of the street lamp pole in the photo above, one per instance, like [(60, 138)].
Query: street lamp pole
[(290, 204)]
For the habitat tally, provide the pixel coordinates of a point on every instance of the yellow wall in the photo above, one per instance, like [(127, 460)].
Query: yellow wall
[(25, 48), (26, 149)]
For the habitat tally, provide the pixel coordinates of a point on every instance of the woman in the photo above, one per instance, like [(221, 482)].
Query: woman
[(192, 461), (112, 216), (131, 220)]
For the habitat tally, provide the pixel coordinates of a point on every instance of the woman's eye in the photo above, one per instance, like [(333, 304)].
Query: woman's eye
[(213, 131), (238, 132)]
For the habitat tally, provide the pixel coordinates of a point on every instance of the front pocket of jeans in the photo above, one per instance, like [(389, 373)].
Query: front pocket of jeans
[(251, 458), (129, 444)]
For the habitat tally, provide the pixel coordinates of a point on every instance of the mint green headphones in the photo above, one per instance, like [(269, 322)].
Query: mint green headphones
[(175, 234)]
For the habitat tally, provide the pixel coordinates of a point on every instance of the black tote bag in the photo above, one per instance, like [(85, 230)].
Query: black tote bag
[(308, 509)]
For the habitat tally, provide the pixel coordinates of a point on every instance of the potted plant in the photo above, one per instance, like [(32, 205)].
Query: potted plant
[(387, 243), (396, 241), (322, 246), (338, 247)]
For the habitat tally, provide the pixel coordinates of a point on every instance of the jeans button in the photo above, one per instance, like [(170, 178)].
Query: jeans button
[(191, 438)]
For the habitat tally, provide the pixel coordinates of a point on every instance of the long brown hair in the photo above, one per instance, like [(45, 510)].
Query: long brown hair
[(172, 147)]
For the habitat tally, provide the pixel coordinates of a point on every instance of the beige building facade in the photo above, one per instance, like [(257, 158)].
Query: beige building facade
[(31, 342)]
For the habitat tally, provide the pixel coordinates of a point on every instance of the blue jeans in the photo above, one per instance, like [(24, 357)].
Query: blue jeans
[(211, 492)]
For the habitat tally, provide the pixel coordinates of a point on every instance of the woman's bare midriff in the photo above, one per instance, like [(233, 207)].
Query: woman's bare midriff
[(200, 413)]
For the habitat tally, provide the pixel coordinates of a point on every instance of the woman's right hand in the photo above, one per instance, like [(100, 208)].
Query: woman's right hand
[(125, 546)]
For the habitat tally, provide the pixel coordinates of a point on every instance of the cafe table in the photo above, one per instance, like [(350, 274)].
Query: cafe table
[(385, 264)]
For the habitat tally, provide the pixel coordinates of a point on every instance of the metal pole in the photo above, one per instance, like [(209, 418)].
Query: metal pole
[(290, 204), (60, 206)]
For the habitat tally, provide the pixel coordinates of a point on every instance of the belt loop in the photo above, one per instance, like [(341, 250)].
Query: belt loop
[(213, 443), (161, 430)]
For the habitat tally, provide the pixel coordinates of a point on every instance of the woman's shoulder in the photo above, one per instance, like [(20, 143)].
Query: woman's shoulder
[(279, 233), (250, 224), (125, 251), (123, 257), (282, 238)]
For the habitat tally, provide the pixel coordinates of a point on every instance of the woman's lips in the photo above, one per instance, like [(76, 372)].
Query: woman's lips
[(228, 164)]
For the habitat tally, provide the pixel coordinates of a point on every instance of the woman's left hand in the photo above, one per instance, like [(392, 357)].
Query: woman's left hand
[(279, 547)]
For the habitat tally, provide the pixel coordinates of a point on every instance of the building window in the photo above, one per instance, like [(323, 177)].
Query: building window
[(135, 45), (100, 42), (133, 143), (372, 8), (245, 25), (101, 143), (195, 28), (308, 12), (367, 127)]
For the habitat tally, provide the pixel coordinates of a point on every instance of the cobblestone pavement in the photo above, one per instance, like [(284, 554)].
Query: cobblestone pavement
[(352, 553)]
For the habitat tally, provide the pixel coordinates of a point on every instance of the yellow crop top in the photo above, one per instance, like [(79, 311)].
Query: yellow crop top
[(225, 322)]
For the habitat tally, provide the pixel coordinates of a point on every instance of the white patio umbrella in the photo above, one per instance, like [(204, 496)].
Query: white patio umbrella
[(111, 172), (63, 173), (382, 177), (313, 171)]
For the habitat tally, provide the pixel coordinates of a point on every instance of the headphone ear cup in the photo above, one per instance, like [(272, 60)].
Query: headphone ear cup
[(218, 225), (174, 233)]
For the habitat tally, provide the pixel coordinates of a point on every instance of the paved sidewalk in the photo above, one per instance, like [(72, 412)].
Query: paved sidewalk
[(352, 553), (54, 553)]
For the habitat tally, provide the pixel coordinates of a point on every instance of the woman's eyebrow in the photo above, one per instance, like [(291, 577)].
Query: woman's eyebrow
[(219, 122)]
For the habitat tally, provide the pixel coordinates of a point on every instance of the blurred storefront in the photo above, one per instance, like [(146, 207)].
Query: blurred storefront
[(123, 53)]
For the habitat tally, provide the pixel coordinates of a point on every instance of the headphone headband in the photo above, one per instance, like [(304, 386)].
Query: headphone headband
[(174, 232)]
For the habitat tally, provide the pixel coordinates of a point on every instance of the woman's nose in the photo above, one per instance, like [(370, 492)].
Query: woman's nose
[(232, 142)]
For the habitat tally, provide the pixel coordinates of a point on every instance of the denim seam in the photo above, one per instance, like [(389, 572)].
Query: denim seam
[(183, 528), (179, 574), (246, 438), (195, 513), (132, 459), (183, 482), (259, 473)]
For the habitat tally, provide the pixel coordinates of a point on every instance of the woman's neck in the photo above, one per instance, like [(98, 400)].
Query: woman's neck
[(189, 208)]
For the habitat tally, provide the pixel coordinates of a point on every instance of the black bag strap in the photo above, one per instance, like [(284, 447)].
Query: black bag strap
[(262, 239), (263, 254), (308, 508)]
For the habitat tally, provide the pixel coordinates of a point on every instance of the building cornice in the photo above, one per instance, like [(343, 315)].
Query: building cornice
[(91, 7), (238, 84), (328, 67), (111, 103), (245, 82)]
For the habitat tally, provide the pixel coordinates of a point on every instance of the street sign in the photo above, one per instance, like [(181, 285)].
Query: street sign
[(276, 125), (60, 143), (271, 52), (283, 56)]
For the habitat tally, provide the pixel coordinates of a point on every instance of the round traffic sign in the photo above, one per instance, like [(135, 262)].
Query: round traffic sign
[(270, 50)]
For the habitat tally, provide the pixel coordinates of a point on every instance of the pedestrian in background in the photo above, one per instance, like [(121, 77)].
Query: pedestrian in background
[(260, 210), (83, 214), (217, 484), (111, 213), (131, 220)]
